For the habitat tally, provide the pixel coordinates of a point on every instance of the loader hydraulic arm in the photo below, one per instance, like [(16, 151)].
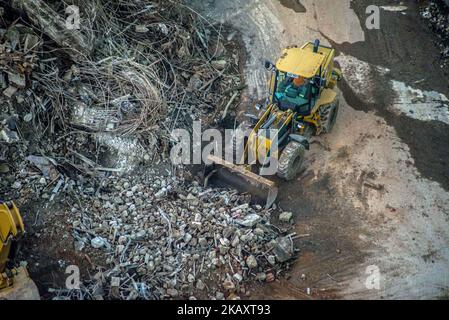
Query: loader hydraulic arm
[(11, 226)]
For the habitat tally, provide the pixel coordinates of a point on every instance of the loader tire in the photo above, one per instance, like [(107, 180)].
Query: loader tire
[(291, 160), (328, 114)]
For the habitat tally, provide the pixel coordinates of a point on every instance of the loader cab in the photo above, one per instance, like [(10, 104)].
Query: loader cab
[(289, 93), (313, 64)]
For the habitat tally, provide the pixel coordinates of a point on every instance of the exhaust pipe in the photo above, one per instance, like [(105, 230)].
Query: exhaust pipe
[(316, 45)]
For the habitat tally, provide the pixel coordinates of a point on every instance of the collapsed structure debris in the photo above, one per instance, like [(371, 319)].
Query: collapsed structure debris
[(85, 122), (133, 83)]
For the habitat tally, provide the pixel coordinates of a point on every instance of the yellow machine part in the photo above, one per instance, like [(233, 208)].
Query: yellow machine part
[(300, 62), (15, 284), (22, 287), (326, 97), (11, 225), (259, 145), (306, 63)]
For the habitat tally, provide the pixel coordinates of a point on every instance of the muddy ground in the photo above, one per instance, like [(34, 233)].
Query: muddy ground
[(376, 192)]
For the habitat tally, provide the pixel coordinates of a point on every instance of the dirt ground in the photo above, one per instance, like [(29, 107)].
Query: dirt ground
[(376, 192)]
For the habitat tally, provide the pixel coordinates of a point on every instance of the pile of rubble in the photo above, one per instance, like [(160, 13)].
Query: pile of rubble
[(164, 238), (437, 15), (18, 43), (17, 62), (157, 236), (123, 82)]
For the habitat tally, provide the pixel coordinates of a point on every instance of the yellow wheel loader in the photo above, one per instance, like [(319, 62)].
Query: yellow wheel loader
[(302, 102), (15, 283)]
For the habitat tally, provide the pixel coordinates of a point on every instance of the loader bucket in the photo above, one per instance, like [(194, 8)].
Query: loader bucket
[(228, 174), (23, 288)]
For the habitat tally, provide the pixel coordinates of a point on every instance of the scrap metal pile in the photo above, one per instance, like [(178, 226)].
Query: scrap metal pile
[(82, 111)]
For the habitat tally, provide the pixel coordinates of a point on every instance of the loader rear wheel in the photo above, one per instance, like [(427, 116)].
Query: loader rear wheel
[(328, 114), (291, 160)]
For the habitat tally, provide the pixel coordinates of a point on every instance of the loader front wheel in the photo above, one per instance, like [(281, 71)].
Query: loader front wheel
[(328, 114), (291, 160)]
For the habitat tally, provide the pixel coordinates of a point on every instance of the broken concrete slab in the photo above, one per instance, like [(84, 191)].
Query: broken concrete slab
[(283, 249)]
